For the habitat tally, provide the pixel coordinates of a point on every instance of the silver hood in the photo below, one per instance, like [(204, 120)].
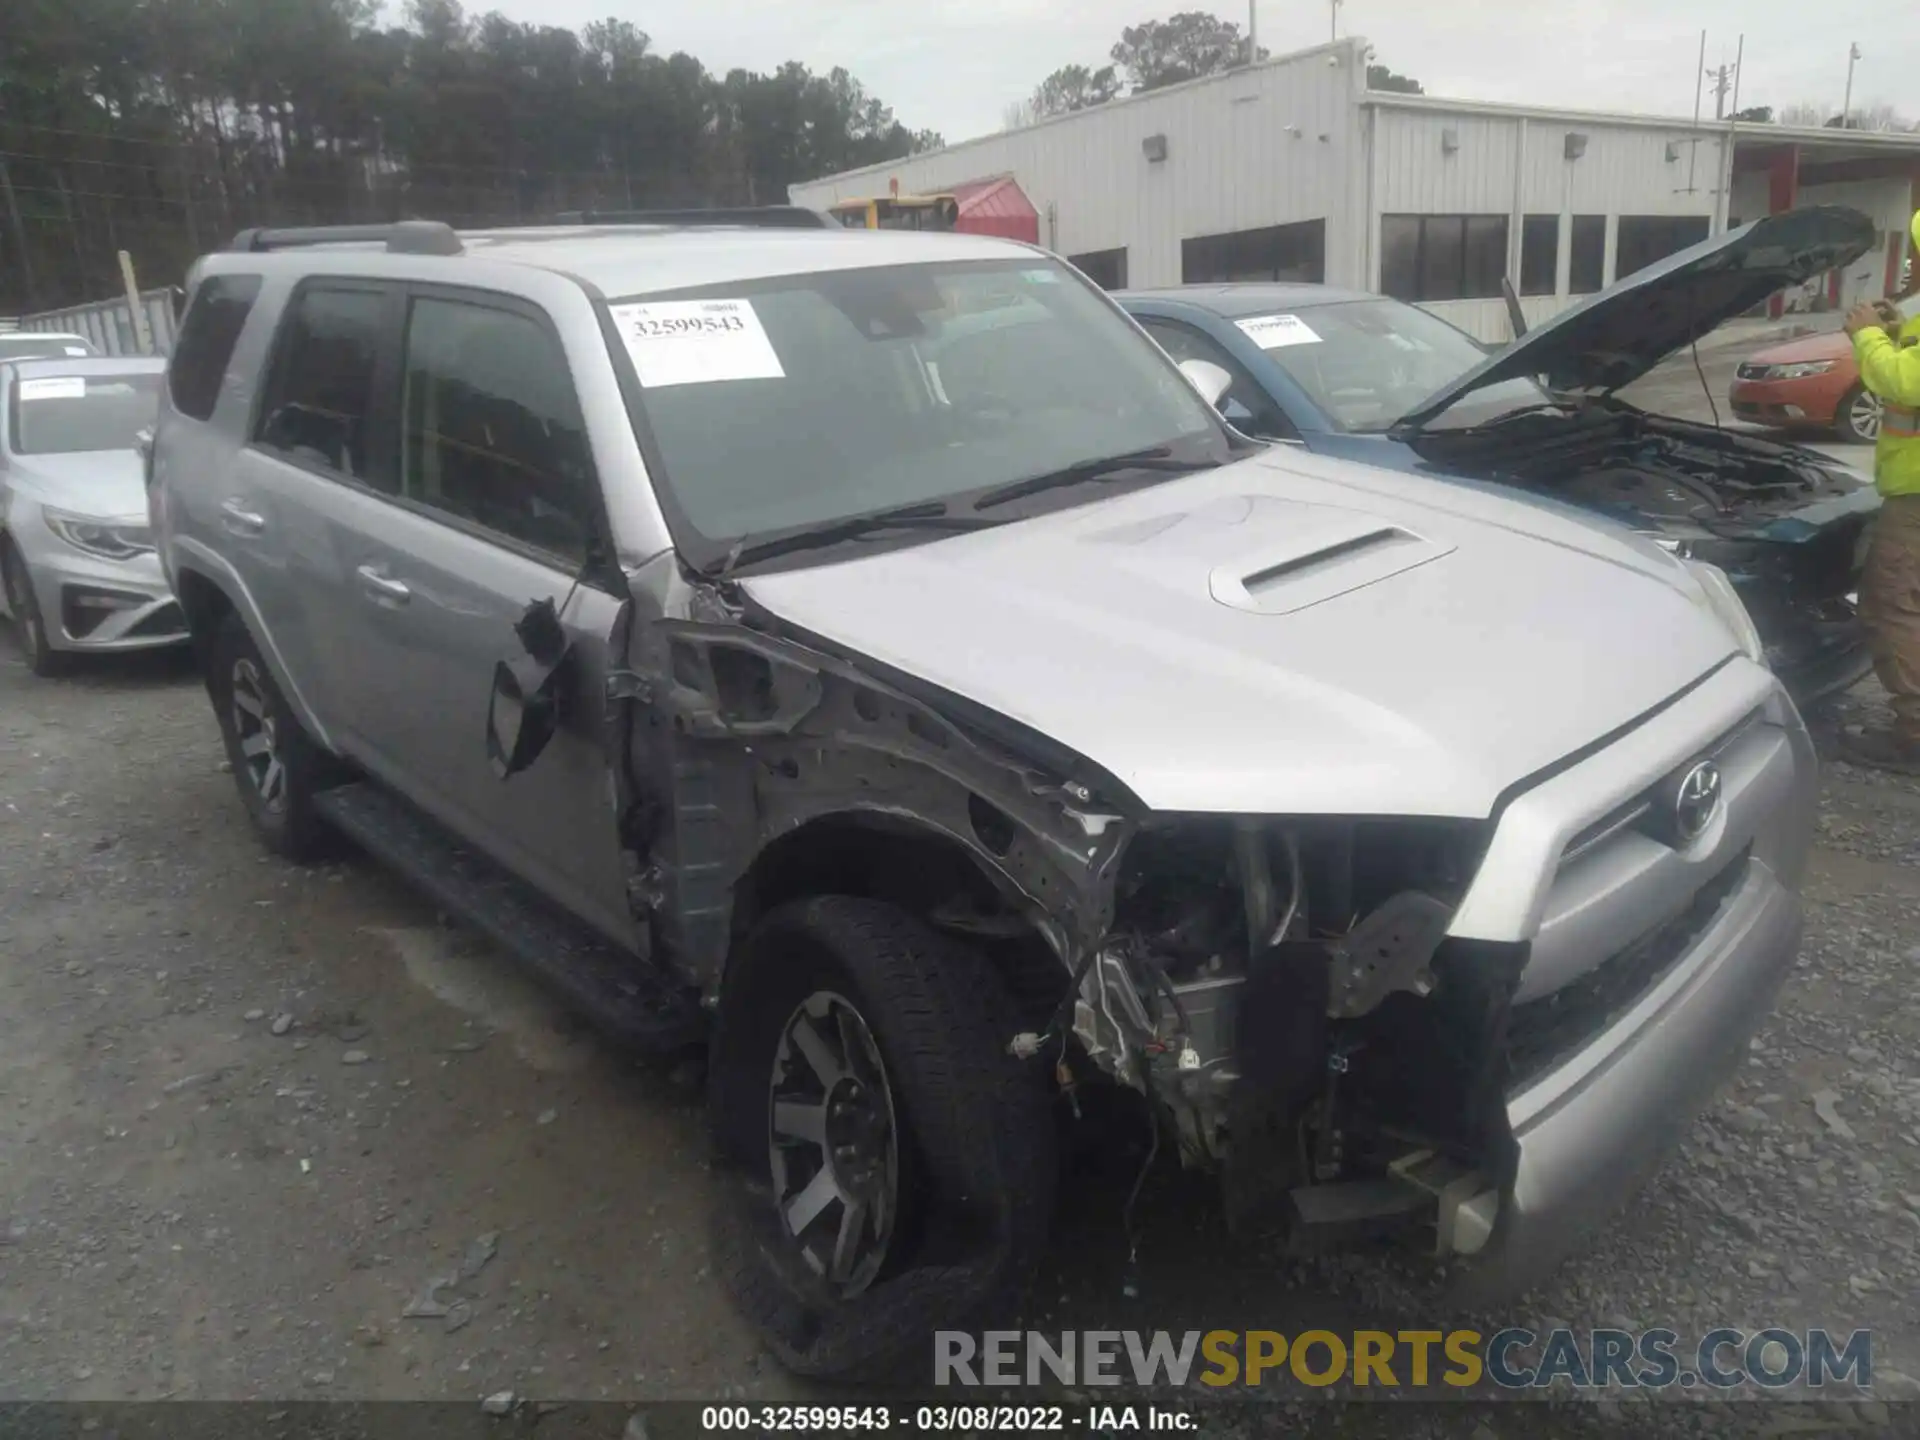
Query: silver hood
[(1290, 634), (100, 484)]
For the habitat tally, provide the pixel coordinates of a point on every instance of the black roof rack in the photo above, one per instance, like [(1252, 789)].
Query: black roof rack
[(402, 237), (771, 217)]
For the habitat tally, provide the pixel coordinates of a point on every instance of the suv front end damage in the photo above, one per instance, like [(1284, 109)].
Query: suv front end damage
[(1481, 1034), (1475, 1032)]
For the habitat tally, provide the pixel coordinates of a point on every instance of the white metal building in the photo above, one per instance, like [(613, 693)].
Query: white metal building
[(1293, 169)]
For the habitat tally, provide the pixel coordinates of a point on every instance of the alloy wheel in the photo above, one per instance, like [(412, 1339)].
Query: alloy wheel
[(834, 1142), (253, 726), (1864, 415)]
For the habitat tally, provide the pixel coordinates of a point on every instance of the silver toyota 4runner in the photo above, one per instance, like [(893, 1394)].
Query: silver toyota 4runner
[(868, 659)]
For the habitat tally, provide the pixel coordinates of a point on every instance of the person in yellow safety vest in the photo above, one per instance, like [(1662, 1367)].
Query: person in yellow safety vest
[(1888, 349)]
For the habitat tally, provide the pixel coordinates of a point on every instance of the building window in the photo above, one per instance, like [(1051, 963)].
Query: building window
[(1106, 268), (1588, 271), (1295, 253), (1443, 257), (1539, 254), (1647, 238)]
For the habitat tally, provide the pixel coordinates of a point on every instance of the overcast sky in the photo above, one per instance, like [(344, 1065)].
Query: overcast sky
[(955, 65)]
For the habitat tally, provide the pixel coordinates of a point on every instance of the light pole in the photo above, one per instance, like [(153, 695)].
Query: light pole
[(1333, 18), (1846, 105)]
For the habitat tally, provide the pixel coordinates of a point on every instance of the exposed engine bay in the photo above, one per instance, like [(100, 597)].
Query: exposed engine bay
[(1787, 528), (1641, 468), (1288, 992)]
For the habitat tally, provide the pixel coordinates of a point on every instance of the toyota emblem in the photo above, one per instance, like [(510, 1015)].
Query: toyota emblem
[(1696, 802)]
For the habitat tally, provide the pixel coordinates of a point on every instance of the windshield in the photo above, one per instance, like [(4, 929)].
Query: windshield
[(42, 347), (1366, 363), (63, 414), (807, 399)]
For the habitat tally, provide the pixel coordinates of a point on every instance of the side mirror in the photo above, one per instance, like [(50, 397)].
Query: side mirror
[(143, 446), (1209, 379)]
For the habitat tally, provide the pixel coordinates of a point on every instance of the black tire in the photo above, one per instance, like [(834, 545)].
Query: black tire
[(977, 1140), (1856, 419), (281, 805), (29, 626)]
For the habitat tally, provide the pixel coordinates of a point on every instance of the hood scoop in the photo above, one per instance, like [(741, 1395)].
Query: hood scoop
[(1341, 554)]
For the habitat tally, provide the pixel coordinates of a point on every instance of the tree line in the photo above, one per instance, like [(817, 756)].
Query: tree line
[(162, 127), (1156, 53)]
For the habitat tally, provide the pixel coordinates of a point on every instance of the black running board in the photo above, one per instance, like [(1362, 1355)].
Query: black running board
[(619, 992)]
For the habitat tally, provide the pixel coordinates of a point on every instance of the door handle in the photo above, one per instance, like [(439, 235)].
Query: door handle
[(239, 520), (382, 589)]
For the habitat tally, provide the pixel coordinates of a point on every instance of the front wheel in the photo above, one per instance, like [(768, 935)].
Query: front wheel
[(886, 1168), (29, 625), (1857, 419)]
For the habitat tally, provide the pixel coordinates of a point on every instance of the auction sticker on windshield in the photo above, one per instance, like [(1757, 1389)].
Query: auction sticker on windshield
[(696, 342), (1276, 332), (58, 387)]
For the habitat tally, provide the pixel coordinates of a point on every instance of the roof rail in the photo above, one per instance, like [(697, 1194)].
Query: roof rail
[(403, 237), (772, 217)]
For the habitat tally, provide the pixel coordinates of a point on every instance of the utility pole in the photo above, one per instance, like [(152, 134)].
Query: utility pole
[(1723, 202), (1693, 145), (1846, 105), (1253, 31), (1722, 83), (1333, 18)]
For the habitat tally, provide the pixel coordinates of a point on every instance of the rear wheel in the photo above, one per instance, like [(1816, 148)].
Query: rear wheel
[(277, 766), (1857, 419), (29, 626), (886, 1168)]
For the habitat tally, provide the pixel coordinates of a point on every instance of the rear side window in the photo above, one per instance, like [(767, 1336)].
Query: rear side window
[(490, 428), (322, 380), (207, 336)]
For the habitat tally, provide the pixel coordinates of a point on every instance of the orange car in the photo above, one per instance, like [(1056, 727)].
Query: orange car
[(1812, 381)]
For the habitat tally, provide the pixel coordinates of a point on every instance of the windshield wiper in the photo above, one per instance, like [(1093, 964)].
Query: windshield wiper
[(1401, 427), (925, 515), (1160, 458)]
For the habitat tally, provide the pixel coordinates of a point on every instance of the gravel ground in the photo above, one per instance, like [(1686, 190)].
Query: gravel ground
[(250, 1113)]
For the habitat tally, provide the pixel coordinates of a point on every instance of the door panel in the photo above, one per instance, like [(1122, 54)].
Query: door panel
[(277, 529), (316, 444), (494, 506), (425, 663)]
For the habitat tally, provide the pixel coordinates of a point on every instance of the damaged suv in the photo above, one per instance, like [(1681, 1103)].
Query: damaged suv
[(868, 659)]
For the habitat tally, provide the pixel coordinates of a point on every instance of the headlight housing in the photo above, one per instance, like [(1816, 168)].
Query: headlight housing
[(1799, 369), (1720, 599), (109, 539)]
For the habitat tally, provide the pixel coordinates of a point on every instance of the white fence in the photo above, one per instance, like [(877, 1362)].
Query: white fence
[(109, 324)]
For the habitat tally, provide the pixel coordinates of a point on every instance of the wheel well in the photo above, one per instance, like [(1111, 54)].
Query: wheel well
[(204, 604), (929, 875)]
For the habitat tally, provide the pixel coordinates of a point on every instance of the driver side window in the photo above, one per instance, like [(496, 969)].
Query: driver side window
[(1245, 406), (490, 429)]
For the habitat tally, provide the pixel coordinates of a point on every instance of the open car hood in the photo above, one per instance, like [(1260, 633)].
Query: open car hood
[(1620, 334)]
